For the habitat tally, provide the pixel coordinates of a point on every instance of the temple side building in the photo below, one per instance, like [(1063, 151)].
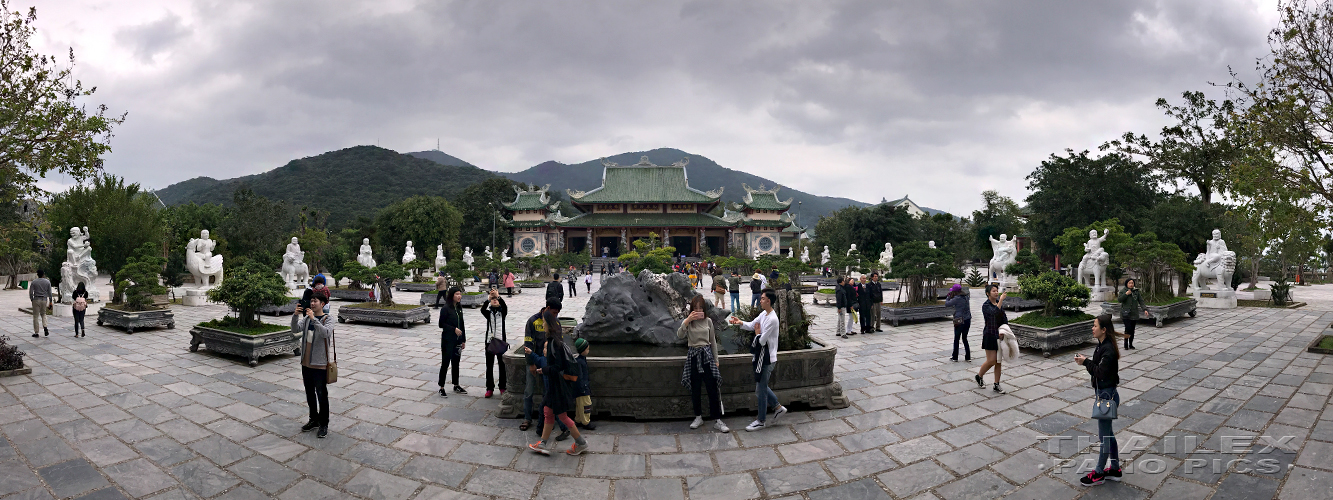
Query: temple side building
[(635, 200)]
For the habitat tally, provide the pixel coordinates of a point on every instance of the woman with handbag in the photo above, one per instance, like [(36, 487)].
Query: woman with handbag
[(560, 372), (763, 353), (962, 320), (497, 342), (1104, 367), (316, 329), (452, 337)]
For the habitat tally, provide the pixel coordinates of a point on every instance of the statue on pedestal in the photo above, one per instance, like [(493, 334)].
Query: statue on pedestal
[(365, 258), (79, 267), (1215, 263), (467, 257), (504, 255), (823, 258), (409, 253), (294, 269), (201, 262), (1092, 269), (886, 258), (440, 261), (805, 255), (1005, 252)]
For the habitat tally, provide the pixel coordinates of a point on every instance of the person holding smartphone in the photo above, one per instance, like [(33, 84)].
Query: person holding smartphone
[(495, 310), (316, 329), (993, 314), (1131, 303)]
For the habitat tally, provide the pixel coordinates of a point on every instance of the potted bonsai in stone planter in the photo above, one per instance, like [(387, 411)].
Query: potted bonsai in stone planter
[(422, 281), (385, 311), (1155, 262), (1061, 321), (248, 288), (136, 283), (361, 280), (1025, 263), (920, 270)]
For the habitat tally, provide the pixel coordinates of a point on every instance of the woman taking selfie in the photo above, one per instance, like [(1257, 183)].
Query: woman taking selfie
[(994, 316)]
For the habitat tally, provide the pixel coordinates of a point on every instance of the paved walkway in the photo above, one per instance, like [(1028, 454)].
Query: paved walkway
[(116, 415)]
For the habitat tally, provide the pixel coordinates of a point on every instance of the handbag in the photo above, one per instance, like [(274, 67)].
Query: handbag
[(1103, 409), (495, 345), (958, 321), (331, 368)]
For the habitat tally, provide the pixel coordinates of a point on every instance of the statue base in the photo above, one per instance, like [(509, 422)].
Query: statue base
[(1008, 285), (62, 310), (195, 298), (1102, 293), (1215, 299)]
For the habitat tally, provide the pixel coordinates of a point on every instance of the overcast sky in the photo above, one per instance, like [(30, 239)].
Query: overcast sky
[(873, 99)]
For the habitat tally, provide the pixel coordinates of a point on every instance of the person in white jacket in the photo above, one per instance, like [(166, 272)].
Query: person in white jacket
[(764, 350)]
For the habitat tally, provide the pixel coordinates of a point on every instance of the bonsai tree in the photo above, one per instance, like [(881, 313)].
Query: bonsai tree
[(647, 254), (137, 281), (922, 268), (1026, 263), (11, 358), (357, 273), (974, 278), (385, 275), (1061, 294), (418, 268), (456, 271), (1154, 262), (248, 287)]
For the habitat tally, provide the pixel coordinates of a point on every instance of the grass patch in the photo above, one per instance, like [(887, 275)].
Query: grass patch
[(230, 324), (1266, 303), (1326, 342), (377, 305), (909, 304), (1036, 320), (1168, 301), (829, 291)]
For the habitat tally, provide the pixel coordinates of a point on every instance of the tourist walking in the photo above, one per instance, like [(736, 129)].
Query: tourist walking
[(1104, 368), (734, 288), (80, 307), (573, 283), (509, 283), (534, 343), (1131, 302), (702, 370), (560, 372), (853, 302), (962, 320), (452, 337), (764, 353), (316, 329), (441, 284), (587, 281), (843, 307), (876, 301), (719, 290), (993, 314), (864, 302), (495, 310), (39, 294), (756, 286), (554, 289)]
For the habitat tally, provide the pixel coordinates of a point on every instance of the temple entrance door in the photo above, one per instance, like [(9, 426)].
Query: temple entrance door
[(714, 244), (610, 243), (683, 244), (578, 244)]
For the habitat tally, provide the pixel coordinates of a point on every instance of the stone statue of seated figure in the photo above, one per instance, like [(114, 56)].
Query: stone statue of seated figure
[(1215, 263), (294, 269), (201, 262), (365, 258), (1092, 269)]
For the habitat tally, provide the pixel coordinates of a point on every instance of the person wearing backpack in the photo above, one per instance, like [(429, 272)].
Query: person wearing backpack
[(80, 309), (764, 353), (554, 290), (495, 310), (316, 329), (560, 372)]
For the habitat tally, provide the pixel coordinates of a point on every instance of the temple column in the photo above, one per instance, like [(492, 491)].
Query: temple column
[(592, 245)]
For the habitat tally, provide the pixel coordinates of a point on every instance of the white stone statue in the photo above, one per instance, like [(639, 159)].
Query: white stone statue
[(201, 262), (440, 261), (467, 257), (409, 253), (805, 255), (294, 269), (886, 257), (931, 243), (504, 255), (1092, 269), (79, 267), (1005, 252), (365, 258), (1216, 263), (823, 258), (852, 249), (489, 255)]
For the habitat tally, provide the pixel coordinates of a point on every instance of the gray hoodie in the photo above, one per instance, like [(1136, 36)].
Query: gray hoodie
[(314, 351)]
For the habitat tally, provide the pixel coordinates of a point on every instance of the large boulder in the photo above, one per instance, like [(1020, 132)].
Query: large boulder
[(647, 308)]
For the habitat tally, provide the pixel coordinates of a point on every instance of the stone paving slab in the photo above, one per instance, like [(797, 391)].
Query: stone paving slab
[(1226, 404)]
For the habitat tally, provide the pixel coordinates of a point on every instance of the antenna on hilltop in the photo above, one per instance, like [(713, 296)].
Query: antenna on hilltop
[(437, 143)]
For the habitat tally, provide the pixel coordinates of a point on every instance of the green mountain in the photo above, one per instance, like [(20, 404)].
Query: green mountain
[(346, 183), (704, 175), (441, 157)]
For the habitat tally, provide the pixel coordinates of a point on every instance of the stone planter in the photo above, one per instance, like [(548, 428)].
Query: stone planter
[(15, 372), (1263, 294), (649, 387), (539, 284), (1050, 339), (1314, 346), (136, 320), (401, 317), (1021, 304), (805, 288), (413, 287), (288, 308), (250, 347), (893, 315), (354, 295), (824, 299), (473, 300), (1158, 314)]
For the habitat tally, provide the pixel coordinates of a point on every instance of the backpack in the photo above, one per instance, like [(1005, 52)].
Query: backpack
[(80, 304)]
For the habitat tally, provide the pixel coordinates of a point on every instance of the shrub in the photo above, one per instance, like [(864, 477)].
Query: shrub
[(11, 358), (137, 281), (975, 278), (923, 269), (1026, 263), (1062, 295), (356, 272), (248, 287)]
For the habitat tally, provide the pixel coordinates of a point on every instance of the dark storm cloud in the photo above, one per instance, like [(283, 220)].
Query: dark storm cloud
[(942, 91)]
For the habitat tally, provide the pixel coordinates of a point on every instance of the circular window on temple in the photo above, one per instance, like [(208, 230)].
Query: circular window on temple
[(766, 244), (528, 245)]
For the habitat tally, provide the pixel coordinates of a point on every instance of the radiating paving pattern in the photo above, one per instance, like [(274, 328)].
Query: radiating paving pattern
[(116, 415)]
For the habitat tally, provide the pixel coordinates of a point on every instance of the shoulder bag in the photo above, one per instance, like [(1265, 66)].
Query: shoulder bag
[(1103, 409), (331, 368), (496, 345)]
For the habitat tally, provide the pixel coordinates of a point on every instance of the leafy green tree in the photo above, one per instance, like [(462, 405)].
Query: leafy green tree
[(357, 273), (248, 287), (423, 220), (18, 251), (1025, 263), (955, 235), (998, 215), (418, 268), (868, 228), (1075, 190), (1153, 261), (1072, 240), (922, 269), (479, 205), (648, 254), (385, 275), (1060, 294), (120, 218), (45, 122), (254, 227), (1197, 149), (137, 279)]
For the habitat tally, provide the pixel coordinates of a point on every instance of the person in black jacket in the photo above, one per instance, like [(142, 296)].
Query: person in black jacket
[(1104, 367), (452, 337), (864, 301), (853, 303), (756, 286), (561, 373), (876, 300), (494, 310), (534, 341), (554, 289)]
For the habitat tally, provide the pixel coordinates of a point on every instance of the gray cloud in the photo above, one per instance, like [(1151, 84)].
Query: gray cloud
[(939, 100)]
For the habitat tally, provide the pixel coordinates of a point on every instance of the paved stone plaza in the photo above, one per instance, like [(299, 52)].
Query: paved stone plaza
[(116, 415)]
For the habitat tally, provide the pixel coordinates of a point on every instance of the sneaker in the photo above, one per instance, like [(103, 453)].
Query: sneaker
[(1113, 474), (954, 359), (1092, 479), (488, 394), (323, 432), (782, 410), (720, 426), (754, 426), (563, 435), (539, 448), (577, 449), (997, 389), (459, 389), (844, 336), (309, 426), (698, 421), (444, 392), (980, 383)]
